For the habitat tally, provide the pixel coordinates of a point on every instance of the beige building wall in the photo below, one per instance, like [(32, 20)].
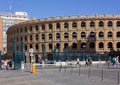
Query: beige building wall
[(102, 32), (1, 26)]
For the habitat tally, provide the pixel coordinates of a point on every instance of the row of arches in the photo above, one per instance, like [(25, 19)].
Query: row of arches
[(66, 36), (83, 24), (66, 25), (84, 45), (76, 46)]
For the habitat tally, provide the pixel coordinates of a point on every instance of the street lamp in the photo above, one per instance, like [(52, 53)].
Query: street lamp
[(27, 55), (31, 54)]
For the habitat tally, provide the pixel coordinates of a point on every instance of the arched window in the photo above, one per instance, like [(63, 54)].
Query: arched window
[(58, 36), (25, 29), (25, 38), (58, 25), (58, 46), (25, 47), (101, 34), (50, 27), (66, 25), (118, 34), (43, 36), (50, 46), (110, 23), (83, 35), (74, 45), (66, 45), (74, 35), (101, 45), (83, 45), (101, 24), (66, 35), (36, 37), (31, 28), (21, 39), (30, 37), (36, 27), (92, 34), (110, 45), (83, 24), (36, 46), (30, 45), (118, 45), (50, 36), (74, 24), (109, 34), (92, 45), (92, 24), (118, 24), (43, 27)]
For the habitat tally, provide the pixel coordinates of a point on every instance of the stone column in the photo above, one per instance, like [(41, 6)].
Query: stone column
[(70, 25), (105, 46), (97, 46)]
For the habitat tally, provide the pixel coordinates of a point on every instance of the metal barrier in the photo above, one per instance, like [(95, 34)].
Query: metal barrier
[(98, 70)]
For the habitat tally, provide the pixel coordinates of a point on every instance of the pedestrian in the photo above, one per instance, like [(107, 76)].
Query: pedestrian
[(5, 64), (113, 61), (10, 64), (117, 59), (86, 62), (90, 61)]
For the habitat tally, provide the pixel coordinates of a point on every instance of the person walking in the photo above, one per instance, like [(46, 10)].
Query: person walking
[(6, 64), (10, 64)]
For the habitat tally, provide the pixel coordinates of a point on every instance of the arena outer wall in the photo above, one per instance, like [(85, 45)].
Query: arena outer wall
[(81, 34)]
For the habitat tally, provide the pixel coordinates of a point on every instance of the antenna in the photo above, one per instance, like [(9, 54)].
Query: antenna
[(10, 6)]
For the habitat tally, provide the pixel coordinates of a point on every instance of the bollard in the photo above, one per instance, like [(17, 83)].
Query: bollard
[(108, 66), (79, 69), (33, 68), (65, 68), (71, 68), (118, 77), (89, 72), (60, 67), (102, 74), (97, 65)]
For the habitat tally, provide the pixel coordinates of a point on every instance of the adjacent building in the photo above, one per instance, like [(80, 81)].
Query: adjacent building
[(7, 20), (80, 34)]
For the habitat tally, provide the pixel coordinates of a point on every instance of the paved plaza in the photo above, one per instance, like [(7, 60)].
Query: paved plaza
[(60, 76)]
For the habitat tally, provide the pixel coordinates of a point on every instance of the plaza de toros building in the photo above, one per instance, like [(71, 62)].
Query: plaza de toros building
[(81, 34)]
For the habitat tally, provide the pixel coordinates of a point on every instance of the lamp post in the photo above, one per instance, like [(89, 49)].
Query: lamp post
[(26, 54), (31, 56)]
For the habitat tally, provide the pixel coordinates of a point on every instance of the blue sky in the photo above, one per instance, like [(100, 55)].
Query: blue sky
[(48, 8)]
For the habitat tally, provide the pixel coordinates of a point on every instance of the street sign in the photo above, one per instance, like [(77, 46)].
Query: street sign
[(31, 50)]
